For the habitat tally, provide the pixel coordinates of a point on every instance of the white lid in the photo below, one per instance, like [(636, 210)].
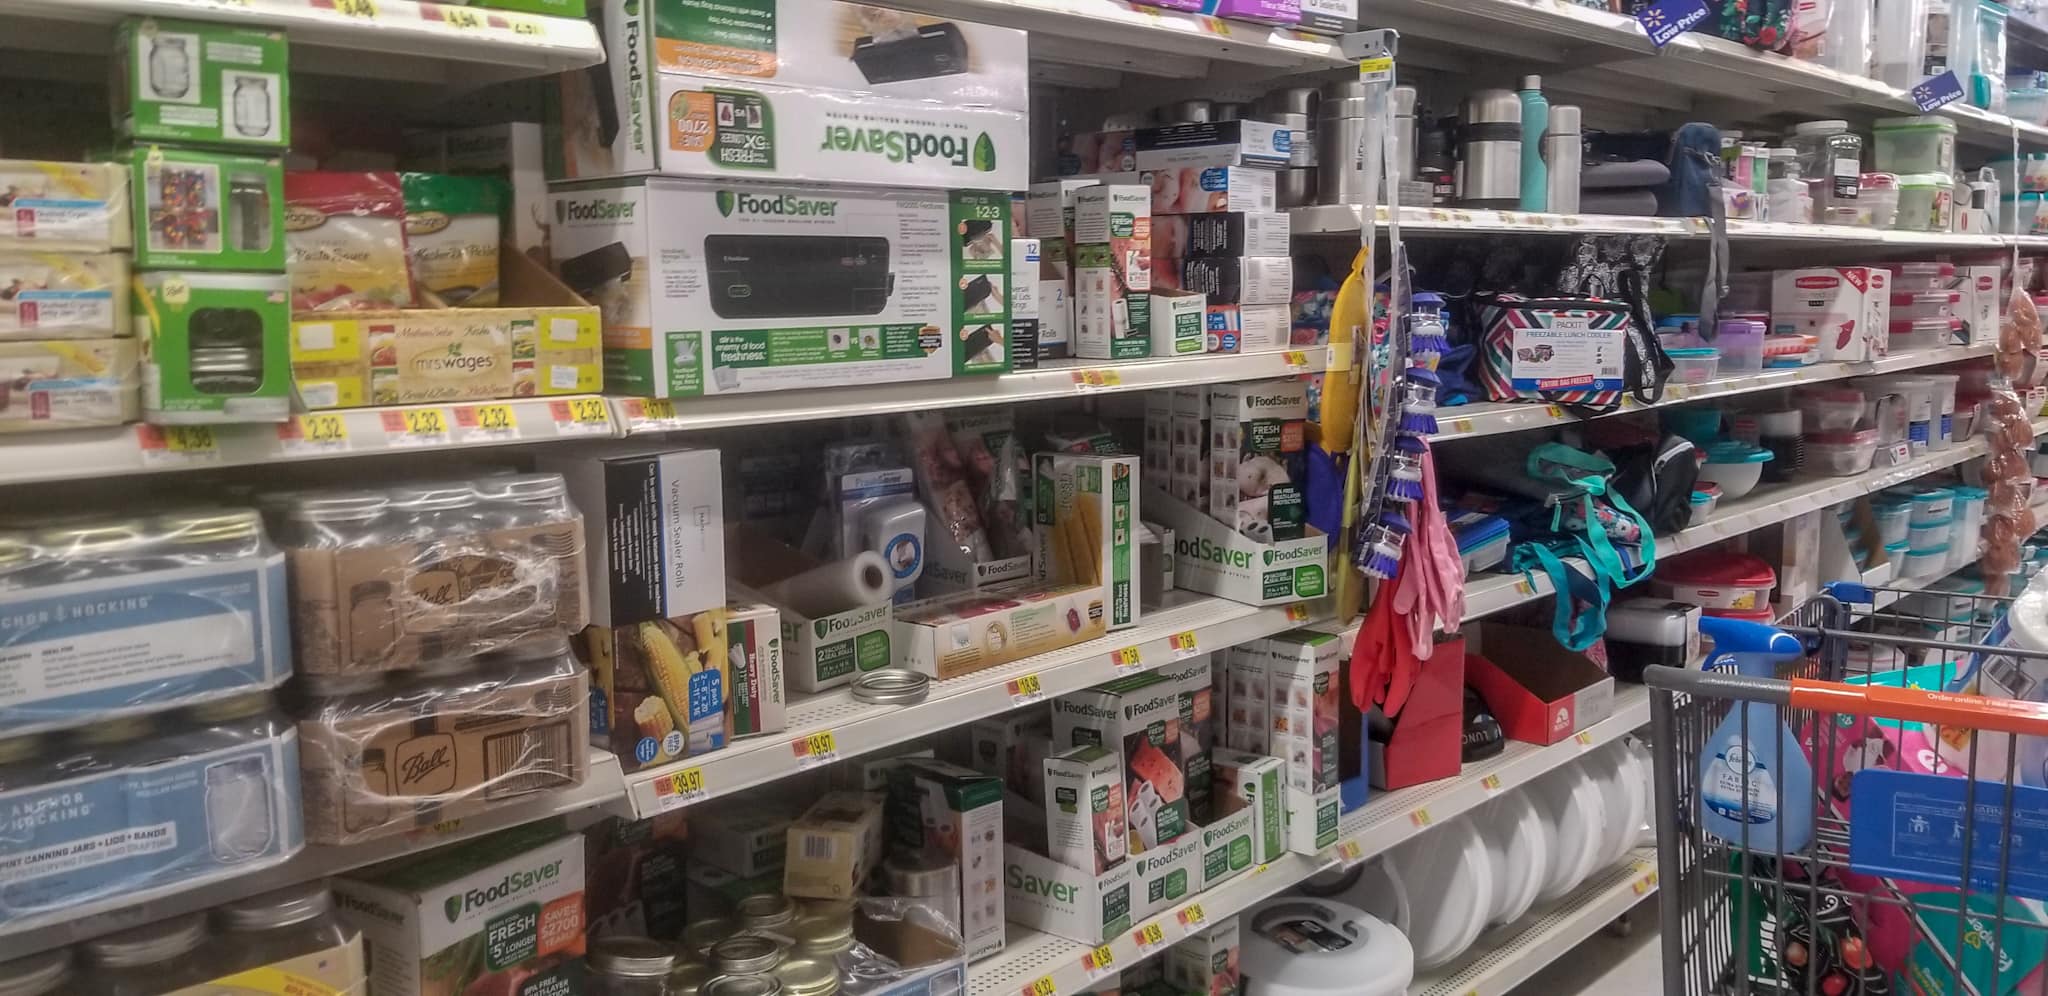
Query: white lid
[(1379, 891), (1618, 791), (1302, 946), (1827, 127), (1654, 621), (1450, 891), (1571, 804), (1518, 842)]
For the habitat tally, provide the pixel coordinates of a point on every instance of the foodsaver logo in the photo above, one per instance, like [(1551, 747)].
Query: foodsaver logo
[(1296, 554), (907, 146), (598, 209), (835, 624), (1202, 549), (513, 884), (636, 78), (731, 202)]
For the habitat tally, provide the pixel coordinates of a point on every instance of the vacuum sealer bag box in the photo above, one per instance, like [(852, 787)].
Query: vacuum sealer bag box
[(711, 290)]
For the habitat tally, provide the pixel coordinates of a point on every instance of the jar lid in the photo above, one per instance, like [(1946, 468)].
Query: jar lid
[(1693, 353), (149, 944), (1719, 569), (345, 506), (699, 936), (745, 954), (766, 909), (688, 980), (807, 976), (233, 707), (632, 957), (1734, 451), (281, 908), (1827, 126), (432, 498), (1926, 551), (1701, 498), (522, 487), (743, 985)]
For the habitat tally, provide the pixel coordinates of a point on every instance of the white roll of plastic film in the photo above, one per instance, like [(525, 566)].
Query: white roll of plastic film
[(859, 580)]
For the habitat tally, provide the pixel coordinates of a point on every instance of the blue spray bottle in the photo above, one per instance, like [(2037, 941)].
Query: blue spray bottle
[(1780, 803), (1535, 193)]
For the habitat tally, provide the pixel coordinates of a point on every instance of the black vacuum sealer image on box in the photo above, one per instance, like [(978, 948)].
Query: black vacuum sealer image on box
[(936, 50), (797, 276)]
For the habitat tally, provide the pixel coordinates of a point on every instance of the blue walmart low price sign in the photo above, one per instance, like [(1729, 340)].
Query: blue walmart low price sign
[(1667, 19), (1934, 91)]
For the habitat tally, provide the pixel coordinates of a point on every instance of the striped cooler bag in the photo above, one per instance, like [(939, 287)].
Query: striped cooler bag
[(1582, 352)]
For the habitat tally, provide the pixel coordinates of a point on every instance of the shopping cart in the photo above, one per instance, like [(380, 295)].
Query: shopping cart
[(1865, 906)]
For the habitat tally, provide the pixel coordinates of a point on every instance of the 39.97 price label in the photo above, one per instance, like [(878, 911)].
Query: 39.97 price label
[(679, 790)]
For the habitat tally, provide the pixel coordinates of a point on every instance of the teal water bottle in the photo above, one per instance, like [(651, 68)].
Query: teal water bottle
[(1535, 123)]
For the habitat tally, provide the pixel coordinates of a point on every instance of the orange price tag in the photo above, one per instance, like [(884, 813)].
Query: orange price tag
[(815, 749), (1646, 883), (1420, 818), (1298, 612), (1491, 783), (1585, 739), (407, 427), (1296, 360), (679, 790), (1192, 916), (581, 417), (1148, 936), (177, 445), (1102, 959), (1350, 851), (651, 409), (314, 434), (1125, 660), (1026, 690), (487, 422), (1183, 644), (1042, 986)]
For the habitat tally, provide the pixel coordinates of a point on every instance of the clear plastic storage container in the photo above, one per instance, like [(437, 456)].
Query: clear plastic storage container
[(1879, 205), (1693, 364), (1910, 306), (1925, 199), (1921, 144), (1840, 454)]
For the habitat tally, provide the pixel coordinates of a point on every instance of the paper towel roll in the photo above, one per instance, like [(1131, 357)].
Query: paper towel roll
[(857, 581)]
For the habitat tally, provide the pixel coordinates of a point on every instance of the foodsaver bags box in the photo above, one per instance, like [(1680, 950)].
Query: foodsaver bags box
[(756, 699), (503, 914), (1139, 717), (201, 83), (1086, 509), (942, 808), (708, 289), (662, 687), (1084, 808)]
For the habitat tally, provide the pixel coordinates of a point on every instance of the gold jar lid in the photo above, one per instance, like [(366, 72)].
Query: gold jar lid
[(765, 910), (822, 933), (212, 525), (808, 977)]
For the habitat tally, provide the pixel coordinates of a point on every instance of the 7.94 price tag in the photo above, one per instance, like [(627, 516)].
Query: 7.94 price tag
[(1183, 644), (816, 749), (1102, 959), (1148, 936)]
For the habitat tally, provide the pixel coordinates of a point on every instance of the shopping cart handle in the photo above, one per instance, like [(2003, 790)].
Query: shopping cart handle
[(1963, 712), (1850, 592)]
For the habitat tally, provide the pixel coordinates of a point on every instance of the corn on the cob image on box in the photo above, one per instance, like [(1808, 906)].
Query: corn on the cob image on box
[(660, 687), (1085, 508)]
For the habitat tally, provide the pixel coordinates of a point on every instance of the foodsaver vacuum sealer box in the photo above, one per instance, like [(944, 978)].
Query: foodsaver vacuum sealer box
[(796, 90), (708, 289)]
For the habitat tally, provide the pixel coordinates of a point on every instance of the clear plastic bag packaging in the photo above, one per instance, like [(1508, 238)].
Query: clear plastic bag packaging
[(942, 480), (68, 383), (2008, 429), (107, 616), (997, 469), (409, 576), (383, 755), (143, 802), (345, 241), (48, 295)]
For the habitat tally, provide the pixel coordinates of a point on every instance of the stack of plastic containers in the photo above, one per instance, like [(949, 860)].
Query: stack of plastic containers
[(1921, 151), (1924, 306), (1966, 525), (1929, 528)]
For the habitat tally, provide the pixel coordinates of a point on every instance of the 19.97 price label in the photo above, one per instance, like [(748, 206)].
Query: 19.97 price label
[(816, 749)]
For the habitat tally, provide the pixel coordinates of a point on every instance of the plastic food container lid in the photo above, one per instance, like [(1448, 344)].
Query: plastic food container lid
[(1927, 297), (1701, 498), (1829, 126), (1693, 352), (1789, 343), (1731, 451), (1899, 547), (1932, 495), (1850, 437), (1928, 325), (1922, 181), (1936, 524), (1879, 181), (1677, 321), (1934, 121), (1718, 569), (1923, 269), (1708, 488), (1450, 890), (1754, 615), (1965, 492), (1926, 551)]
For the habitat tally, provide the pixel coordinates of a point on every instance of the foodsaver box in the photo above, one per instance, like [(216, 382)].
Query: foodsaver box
[(935, 806), (697, 283), (661, 688), (1084, 808), (1139, 717), (503, 914)]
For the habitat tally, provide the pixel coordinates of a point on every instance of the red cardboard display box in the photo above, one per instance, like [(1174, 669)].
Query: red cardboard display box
[(1428, 738), (1540, 692)]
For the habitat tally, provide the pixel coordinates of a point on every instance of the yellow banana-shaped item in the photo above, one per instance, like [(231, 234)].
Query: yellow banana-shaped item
[(1350, 320)]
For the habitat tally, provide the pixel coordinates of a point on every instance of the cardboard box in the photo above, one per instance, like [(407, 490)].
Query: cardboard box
[(1984, 298), (1198, 721), (177, 313), (1168, 873), (1140, 717), (510, 905), (1221, 233), (1302, 679), (1179, 323), (1540, 692), (1258, 443), (1313, 820), (1428, 738), (953, 635), (68, 383), (515, 151), (1084, 808), (1206, 961), (553, 8), (1086, 511), (1049, 896), (663, 688), (634, 875), (64, 207), (541, 341), (64, 295), (756, 699), (1241, 142), (1203, 189), (195, 210), (1261, 11), (1227, 848), (1158, 450), (1232, 279), (1249, 328), (1026, 261), (1089, 153), (934, 806), (797, 90), (833, 846), (1329, 17), (1214, 559), (1254, 784), (1848, 307), (695, 283), (1188, 475), (1014, 748), (199, 83), (1112, 272), (654, 511), (743, 840)]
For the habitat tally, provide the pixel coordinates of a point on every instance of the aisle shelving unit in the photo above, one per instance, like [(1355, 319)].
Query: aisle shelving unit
[(1510, 955), (1454, 222)]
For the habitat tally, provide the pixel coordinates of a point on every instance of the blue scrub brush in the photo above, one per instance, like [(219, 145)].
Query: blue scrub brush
[(1418, 405), (1380, 554), (1404, 478)]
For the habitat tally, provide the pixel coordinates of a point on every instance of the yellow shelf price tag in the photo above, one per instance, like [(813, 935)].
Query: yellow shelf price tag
[(487, 422), (1420, 818), (815, 749), (366, 9), (1125, 660), (1378, 70), (1042, 986), (653, 410), (454, 17), (1298, 612), (417, 427), (1026, 690), (1585, 739), (581, 417), (1350, 851), (1296, 360), (446, 827), (678, 790), (1089, 380), (1183, 644), (1148, 936), (177, 445), (1101, 959), (1491, 783), (324, 432), (1192, 916)]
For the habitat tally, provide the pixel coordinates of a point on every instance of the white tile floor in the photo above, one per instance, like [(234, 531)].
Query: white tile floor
[(1607, 964)]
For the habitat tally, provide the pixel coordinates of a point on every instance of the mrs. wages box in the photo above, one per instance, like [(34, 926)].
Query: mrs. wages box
[(506, 906), (1215, 559), (716, 289)]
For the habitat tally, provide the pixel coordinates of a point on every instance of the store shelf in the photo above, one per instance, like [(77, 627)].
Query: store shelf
[(137, 449), (1053, 381), (1109, 34), (1493, 418), (1486, 594), (362, 38), (1344, 219), (602, 793), (1508, 956), (1197, 623)]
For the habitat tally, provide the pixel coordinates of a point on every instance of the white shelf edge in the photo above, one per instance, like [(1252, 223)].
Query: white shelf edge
[(1345, 219), (602, 793), (857, 728), (1152, 40), (1511, 954)]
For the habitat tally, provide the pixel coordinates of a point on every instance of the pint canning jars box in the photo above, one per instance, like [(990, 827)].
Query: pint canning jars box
[(201, 83)]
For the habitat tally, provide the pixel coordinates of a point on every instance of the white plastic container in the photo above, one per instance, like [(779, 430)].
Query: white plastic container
[(1932, 505), (1920, 276), (1835, 409), (1918, 395), (2028, 105), (1893, 522), (1943, 430), (1924, 333), (1841, 454), (1925, 563), (1705, 496), (1924, 200), (1929, 535), (1694, 364), (1916, 304), (1921, 144), (1900, 55), (1736, 467)]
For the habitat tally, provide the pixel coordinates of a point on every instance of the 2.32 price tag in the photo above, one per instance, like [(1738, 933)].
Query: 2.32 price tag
[(581, 417), (314, 434)]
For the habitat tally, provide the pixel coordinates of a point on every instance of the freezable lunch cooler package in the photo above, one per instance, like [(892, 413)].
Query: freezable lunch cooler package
[(708, 289), (803, 90), (203, 84)]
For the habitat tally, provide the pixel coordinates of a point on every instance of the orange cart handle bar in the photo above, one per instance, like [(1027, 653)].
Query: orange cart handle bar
[(1947, 709)]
